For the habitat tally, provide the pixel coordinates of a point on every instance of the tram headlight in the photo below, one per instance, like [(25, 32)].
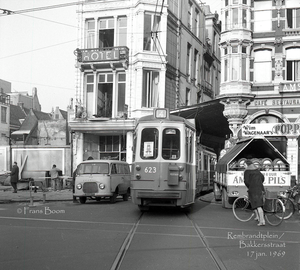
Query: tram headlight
[(79, 186), (180, 177), (138, 176), (138, 167), (101, 186)]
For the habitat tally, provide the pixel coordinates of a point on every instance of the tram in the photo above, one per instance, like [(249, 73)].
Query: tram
[(165, 168), (206, 168)]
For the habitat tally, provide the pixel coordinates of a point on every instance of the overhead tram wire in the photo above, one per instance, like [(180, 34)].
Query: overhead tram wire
[(9, 12), (156, 37)]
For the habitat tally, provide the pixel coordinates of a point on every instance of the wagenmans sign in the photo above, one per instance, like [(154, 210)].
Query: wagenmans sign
[(271, 129)]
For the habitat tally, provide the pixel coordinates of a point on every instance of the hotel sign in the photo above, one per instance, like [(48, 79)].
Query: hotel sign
[(273, 129), (98, 56)]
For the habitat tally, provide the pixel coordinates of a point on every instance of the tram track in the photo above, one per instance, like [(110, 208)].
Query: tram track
[(124, 247), (211, 252), (128, 240)]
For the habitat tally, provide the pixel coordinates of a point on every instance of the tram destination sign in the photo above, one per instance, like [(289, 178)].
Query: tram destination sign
[(271, 129)]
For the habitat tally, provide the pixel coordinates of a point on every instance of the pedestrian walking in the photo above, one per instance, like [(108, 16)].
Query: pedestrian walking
[(55, 180), (14, 177), (253, 180), (73, 186)]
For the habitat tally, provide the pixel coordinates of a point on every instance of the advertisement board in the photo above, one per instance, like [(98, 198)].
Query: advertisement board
[(272, 178), (271, 129)]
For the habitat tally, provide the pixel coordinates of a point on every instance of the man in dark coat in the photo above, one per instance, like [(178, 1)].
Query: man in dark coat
[(253, 180), (14, 177)]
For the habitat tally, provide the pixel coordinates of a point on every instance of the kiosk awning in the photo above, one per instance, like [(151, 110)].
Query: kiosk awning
[(210, 122), (255, 147)]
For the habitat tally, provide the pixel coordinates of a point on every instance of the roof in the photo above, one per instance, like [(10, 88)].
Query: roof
[(255, 147), (42, 115), (16, 113), (64, 114)]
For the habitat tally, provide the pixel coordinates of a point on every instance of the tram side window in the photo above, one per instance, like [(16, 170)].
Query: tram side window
[(171, 144), (149, 143)]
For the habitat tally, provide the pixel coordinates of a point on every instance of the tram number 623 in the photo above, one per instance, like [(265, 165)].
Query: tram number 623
[(150, 170)]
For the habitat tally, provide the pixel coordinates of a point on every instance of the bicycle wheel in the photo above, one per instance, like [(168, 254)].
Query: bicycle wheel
[(242, 209), (289, 207), (275, 217)]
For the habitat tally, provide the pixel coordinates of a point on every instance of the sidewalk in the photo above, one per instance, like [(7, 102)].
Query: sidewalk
[(7, 195)]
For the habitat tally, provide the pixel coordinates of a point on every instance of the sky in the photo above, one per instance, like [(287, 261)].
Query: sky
[(36, 49)]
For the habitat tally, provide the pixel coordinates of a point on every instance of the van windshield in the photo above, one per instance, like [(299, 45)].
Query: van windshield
[(93, 168)]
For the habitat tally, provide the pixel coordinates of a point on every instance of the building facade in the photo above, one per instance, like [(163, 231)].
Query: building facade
[(134, 56), (260, 82)]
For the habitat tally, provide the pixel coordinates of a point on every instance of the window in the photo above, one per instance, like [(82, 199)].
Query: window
[(207, 76), (171, 144), (110, 147), (122, 31), (293, 17), (90, 94), (90, 34), (121, 93), (196, 67), (235, 18), (235, 67), (3, 115), (105, 95), (188, 97), (150, 89), (190, 12), (293, 64), (196, 27), (226, 70), (106, 33), (149, 143), (262, 66), (227, 22), (262, 16), (92, 168), (188, 60), (151, 24), (244, 62)]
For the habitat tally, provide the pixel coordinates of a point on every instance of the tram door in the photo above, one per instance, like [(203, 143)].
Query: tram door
[(190, 164)]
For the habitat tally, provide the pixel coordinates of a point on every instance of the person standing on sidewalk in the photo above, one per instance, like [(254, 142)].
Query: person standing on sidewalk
[(254, 180), (55, 181), (14, 177)]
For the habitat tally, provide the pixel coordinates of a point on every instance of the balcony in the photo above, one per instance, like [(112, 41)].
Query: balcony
[(99, 58)]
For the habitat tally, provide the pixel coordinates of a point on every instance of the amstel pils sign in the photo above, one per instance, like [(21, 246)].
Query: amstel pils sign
[(271, 129)]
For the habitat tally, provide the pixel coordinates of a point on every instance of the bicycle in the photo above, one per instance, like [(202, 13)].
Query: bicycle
[(289, 200), (273, 210)]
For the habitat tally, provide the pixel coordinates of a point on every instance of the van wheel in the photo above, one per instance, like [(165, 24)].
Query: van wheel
[(125, 197), (113, 198), (82, 199)]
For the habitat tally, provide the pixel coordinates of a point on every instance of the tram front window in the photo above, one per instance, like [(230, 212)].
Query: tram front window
[(171, 143), (149, 143)]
